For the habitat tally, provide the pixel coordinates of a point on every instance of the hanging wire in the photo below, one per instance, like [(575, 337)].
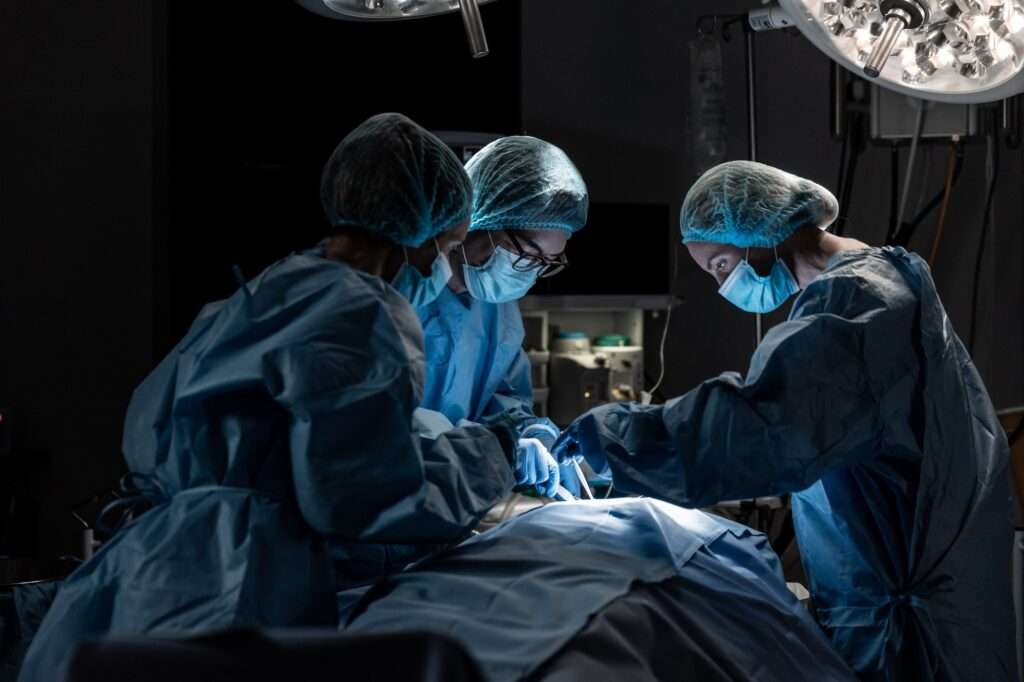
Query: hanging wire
[(918, 129), (896, 228), (908, 233), (950, 175), (661, 351), (992, 167), (664, 332)]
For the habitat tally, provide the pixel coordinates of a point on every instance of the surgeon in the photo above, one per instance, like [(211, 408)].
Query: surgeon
[(286, 416), (528, 200), (865, 406)]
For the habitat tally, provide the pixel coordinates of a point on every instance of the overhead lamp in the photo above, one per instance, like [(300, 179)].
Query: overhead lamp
[(397, 10), (941, 50)]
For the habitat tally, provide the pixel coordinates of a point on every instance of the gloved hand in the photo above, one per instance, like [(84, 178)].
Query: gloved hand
[(570, 480), (583, 439), (535, 466), (544, 432)]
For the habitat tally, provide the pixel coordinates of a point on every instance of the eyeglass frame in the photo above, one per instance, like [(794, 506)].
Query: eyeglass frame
[(549, 266)]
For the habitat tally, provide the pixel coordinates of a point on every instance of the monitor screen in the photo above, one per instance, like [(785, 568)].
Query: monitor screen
[(624, 249)]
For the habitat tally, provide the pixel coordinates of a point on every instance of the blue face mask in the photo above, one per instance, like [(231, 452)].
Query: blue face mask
[(496, 281), (420, 290), (749, 291)]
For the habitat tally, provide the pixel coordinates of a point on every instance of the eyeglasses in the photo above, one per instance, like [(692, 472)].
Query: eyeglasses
[(549, 266)]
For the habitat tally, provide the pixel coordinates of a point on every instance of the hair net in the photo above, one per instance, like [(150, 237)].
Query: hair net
[(525, 183), (749, 204), (391, 177)]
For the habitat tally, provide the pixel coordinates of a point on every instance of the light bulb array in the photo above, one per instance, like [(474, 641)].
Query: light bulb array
[(978, 42)]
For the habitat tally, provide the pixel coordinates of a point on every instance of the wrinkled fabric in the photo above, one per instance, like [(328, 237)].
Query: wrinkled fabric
[(283, 416), (658, 632), (31, 601), (524, 183), (396, 180), (476, 366), (518, 595), (866, 406), (748, 204)]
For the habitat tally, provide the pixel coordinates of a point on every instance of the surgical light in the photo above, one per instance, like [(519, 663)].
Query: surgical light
[(943, 50), (397, 10)]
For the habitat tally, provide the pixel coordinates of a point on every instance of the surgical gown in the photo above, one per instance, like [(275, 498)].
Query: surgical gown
[(283, 416), (866, 406), (478, 371), (476, 366)]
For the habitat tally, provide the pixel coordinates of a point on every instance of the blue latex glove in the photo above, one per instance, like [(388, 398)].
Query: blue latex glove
[(570, 481), (582, 439), (536, 466)]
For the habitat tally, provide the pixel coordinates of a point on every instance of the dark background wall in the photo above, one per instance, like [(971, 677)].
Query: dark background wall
[(78, 224), (147, 146), (613, 88), (260, 98)]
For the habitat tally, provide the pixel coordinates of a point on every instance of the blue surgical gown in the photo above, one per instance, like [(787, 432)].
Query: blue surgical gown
[(476, 366), (283, 417), (477, 369), (866, 406)]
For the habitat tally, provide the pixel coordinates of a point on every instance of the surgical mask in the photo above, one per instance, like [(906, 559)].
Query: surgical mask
[(749, 291), (420, 290), (496, 281)]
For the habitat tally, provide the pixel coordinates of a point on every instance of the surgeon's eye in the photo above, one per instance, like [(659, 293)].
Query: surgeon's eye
[(721, 265)]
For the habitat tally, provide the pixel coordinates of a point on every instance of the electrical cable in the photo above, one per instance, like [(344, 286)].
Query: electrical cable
[(950, 172), (664, 332), (894, 184), (992, 166), (926, 163), (844, 154), (896, 226), (857, 137), (907, 233), (661, 351)]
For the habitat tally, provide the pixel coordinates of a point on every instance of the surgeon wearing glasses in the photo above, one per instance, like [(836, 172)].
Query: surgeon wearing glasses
[(528, 201)]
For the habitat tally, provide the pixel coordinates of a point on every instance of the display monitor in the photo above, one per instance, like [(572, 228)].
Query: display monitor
[(625, 249)]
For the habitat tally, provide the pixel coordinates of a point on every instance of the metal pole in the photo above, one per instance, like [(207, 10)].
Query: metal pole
[(474, 28), (752, 137), (751, 98)]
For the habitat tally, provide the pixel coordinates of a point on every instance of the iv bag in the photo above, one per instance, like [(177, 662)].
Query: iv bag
[(707, 123)]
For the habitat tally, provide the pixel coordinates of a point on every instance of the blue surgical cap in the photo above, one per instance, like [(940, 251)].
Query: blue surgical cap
[(526, 184), (394, 179), (749, 204)]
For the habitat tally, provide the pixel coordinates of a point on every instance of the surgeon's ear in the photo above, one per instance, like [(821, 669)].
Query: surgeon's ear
[(356, 248)]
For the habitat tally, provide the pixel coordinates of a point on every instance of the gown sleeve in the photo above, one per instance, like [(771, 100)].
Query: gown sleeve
[(814, 397)]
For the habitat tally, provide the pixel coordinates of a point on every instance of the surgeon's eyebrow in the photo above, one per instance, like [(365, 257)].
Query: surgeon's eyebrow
[(712, 257), (531, 243)]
